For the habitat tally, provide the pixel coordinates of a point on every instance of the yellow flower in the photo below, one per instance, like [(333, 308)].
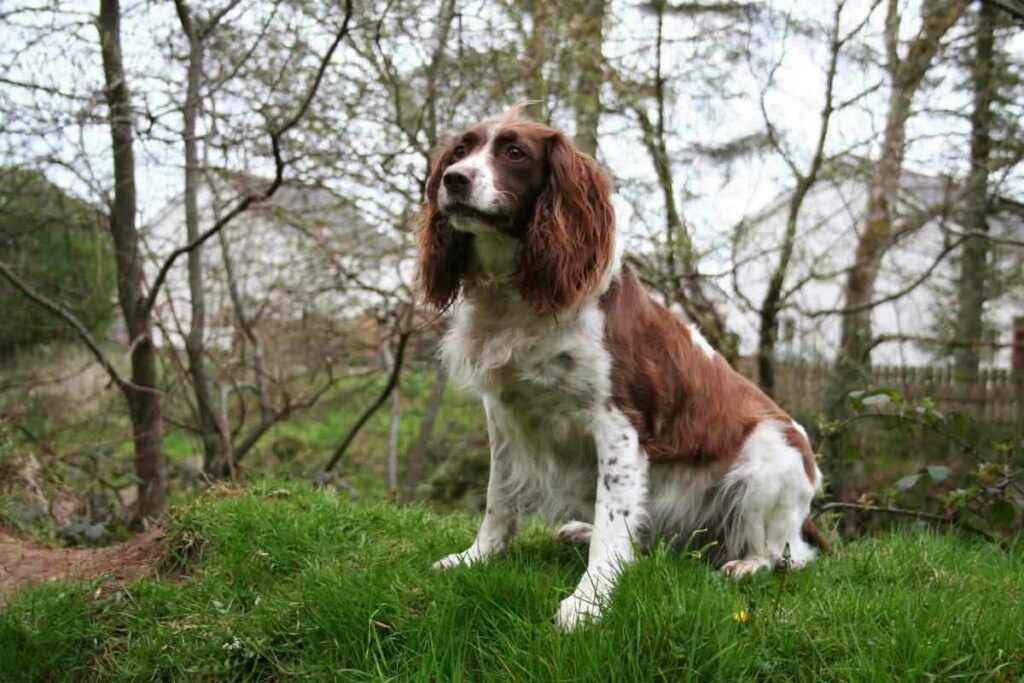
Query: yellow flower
[(743, 616)]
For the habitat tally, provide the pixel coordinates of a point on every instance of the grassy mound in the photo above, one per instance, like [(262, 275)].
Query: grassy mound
[(283, 581)]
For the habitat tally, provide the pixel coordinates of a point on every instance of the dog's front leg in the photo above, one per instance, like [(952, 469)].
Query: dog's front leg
[(620, 514), (499, 525)]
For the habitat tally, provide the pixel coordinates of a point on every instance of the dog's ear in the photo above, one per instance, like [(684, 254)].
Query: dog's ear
[(443, 254), (571, 240)]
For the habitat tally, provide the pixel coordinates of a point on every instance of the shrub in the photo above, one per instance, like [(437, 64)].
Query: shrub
[(57, 244)]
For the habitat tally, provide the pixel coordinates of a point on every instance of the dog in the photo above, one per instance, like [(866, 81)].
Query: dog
[(602, 406)]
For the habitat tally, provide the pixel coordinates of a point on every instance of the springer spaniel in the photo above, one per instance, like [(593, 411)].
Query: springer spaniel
[(601, 405)]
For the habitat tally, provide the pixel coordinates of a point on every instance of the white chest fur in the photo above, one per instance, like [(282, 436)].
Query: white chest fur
[(502, 348), (543, 378)]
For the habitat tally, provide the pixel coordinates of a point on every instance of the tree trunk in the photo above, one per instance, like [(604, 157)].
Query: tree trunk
[(395, 422), (973, 262), (773, 298), (416, 459), (853, 360), (144, 400), (393, 429), (537, 51), (212, 433), (588, 41)]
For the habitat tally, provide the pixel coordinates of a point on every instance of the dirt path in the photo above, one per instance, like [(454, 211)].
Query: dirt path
[(26, 562)]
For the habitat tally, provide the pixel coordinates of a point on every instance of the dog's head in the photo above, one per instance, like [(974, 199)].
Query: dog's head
[(526, 181)]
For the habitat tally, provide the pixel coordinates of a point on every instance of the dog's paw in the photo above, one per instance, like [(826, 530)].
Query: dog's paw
[(453, 560), (575, 533), (739, 568), (576, 611)]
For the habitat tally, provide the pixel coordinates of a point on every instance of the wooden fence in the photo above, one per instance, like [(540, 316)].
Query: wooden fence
[(997, 396)]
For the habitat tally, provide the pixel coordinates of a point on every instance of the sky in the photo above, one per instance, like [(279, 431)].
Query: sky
[(717, 196)]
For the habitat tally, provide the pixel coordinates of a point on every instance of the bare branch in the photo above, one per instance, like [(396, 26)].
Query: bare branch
[(61, 311), (396, 369), (279, 162), (918, 281)]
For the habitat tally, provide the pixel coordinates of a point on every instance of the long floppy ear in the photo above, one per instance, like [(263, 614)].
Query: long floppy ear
[(444, 254), (571, 241)]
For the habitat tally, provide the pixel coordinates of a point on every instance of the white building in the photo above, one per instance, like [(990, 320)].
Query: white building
[(828, 227), (305, 253)]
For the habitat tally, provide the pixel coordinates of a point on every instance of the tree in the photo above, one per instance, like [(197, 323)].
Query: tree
[(974, 257), (212, 430), (905, 74), (137, 298), (587, 36), (805, 178), (55, 240), (674, 266), (145, 401)]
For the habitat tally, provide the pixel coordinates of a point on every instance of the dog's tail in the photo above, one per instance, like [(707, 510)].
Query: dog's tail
[(813, 535)]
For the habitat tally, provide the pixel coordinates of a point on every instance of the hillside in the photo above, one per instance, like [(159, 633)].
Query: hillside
[(281, 581)]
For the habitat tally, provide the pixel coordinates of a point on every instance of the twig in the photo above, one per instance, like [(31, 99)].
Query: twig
[(279, 162), (396, 369), (60, 311), (916, 514)]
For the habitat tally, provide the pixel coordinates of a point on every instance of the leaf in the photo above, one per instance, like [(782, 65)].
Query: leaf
[(1002, 513), (939, 473), (877, 400), (906, 483)]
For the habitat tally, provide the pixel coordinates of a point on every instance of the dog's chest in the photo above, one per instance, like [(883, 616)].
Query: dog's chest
[(548, 372)]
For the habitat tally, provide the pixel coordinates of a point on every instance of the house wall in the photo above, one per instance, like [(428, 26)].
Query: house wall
[(827, 232), (299, 255)]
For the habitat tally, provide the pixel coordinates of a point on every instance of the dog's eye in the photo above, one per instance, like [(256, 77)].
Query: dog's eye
[(459, 151), (515, 153)]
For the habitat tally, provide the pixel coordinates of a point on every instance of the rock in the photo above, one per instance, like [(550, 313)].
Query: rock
[(31, 512), (96, 534)]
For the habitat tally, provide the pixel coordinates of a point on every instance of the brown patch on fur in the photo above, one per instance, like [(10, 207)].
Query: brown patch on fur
[(796, 439), (813, 535), (571, 240), (684, 405), (445, 255)]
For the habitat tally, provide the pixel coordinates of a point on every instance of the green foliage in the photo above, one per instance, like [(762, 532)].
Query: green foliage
[(282, 581), (972, 475), (459, 436), (56, 243)]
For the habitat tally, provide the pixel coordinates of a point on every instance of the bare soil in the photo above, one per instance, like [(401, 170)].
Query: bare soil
[(24, 562)]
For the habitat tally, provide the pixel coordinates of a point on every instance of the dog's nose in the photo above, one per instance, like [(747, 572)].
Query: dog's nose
[(458, 181)]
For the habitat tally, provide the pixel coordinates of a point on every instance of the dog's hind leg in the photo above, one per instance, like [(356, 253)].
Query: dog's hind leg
[(773, 497)]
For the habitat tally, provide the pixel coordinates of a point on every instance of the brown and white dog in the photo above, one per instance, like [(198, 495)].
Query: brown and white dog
[(601, 405)]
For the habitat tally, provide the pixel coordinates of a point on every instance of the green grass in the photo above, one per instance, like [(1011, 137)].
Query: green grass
[(287, 582)]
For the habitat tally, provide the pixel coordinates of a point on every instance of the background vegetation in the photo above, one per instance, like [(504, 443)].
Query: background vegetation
[(58, 241)]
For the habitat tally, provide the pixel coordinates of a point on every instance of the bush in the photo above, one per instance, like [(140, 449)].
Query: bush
[(56, 243), (945, 468)]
